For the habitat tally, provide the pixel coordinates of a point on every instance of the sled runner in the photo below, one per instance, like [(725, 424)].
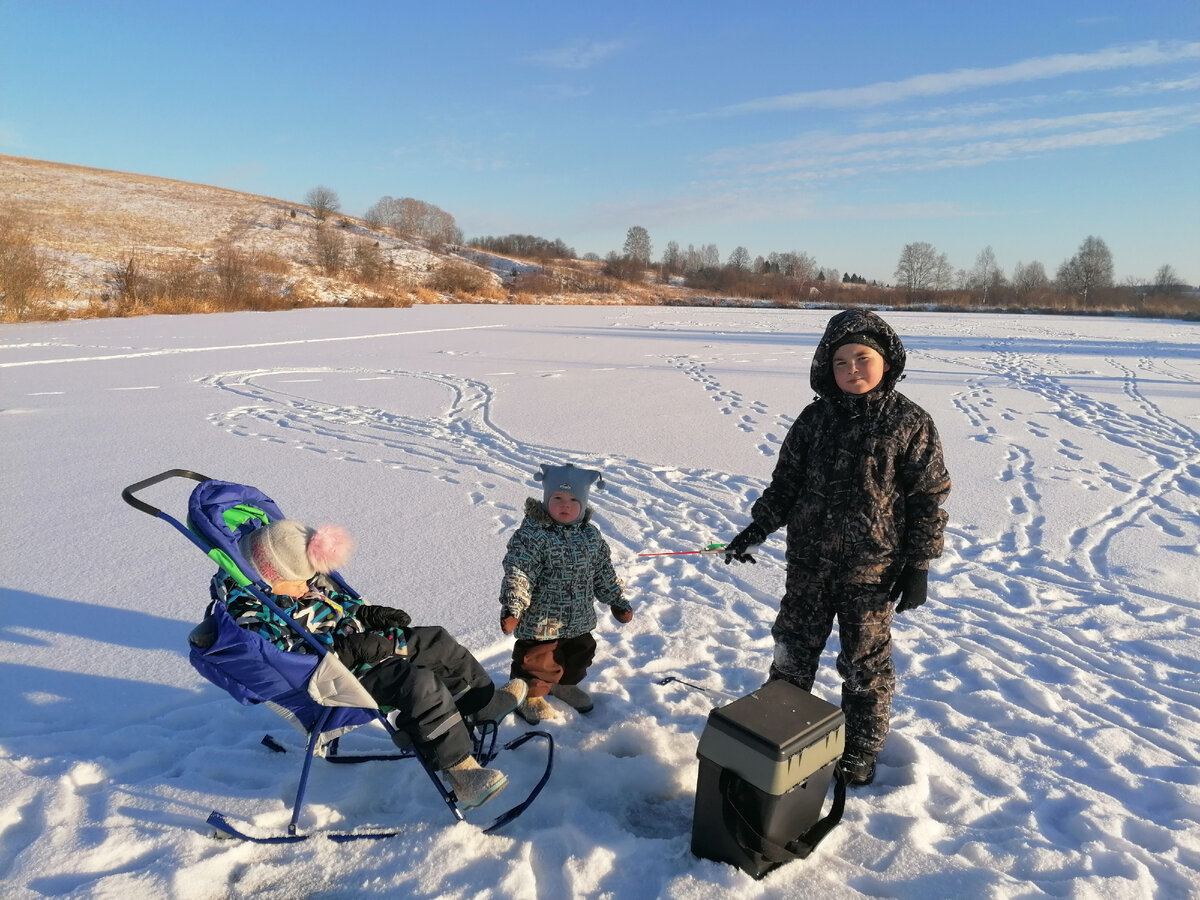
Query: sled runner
[(313, 691)]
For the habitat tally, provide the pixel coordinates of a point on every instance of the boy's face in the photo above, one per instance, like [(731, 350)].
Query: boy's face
[(858, 368), (563, 508)]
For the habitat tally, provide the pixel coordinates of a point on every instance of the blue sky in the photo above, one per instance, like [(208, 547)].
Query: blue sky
[(843, 130)]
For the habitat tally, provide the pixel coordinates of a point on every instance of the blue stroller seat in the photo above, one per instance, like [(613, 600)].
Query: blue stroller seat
[(314, 691)]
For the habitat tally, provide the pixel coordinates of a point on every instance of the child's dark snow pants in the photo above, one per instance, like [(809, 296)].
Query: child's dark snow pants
[(431, 687), (864, 616)]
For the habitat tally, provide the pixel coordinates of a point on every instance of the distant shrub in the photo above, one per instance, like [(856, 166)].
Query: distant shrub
[(328, 249), (241, 283), (536, 283), (24, 272), (166, 284), (389, 300), (127, 277), (368, 264), (624, 268), (459, 278)]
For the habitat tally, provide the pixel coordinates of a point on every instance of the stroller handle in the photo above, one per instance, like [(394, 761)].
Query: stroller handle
[(128, 494)]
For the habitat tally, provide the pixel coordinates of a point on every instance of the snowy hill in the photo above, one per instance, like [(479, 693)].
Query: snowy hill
[(97, 230), (90, 221)]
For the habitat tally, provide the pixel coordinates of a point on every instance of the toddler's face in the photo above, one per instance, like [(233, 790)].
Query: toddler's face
[(858, 368), (293, 589), (563, 508)]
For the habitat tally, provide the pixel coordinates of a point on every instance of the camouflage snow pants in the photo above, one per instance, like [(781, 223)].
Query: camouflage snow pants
[(864, 616)]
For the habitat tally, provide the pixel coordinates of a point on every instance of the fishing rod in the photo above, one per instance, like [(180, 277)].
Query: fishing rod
[(711, 548)]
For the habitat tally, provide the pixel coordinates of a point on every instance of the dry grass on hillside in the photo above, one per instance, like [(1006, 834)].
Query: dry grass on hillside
[(76, 241)]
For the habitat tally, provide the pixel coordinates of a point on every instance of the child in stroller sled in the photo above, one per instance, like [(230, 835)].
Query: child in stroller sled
[(421, 675)]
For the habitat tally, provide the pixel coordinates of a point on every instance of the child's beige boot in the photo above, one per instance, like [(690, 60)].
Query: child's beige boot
[(535, 709), (504, 701), (474, 785)]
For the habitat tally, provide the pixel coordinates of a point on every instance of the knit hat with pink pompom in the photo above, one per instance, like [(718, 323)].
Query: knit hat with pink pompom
[(291, 551)]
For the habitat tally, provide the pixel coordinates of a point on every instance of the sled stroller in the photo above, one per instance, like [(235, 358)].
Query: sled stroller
[(314, 691)]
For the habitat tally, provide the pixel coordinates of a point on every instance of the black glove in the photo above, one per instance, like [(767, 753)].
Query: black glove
[(381, 618), (912, 587), (363, 649), (749, 539)]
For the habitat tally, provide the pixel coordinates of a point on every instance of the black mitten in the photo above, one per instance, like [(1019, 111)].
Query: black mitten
[(749, 539), (363, 649), (381, 618), (912, 588)]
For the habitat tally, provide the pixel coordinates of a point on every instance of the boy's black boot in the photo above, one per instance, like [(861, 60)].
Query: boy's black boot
[(858, 767)]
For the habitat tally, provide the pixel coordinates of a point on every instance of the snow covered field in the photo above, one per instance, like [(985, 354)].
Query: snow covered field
[(1046, 735)]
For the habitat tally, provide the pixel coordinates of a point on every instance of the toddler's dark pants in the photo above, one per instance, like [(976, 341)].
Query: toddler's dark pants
[(431, 688), (543, 663), (864, 616)]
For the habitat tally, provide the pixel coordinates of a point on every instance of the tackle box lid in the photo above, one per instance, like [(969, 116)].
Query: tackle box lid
[(778, 720)]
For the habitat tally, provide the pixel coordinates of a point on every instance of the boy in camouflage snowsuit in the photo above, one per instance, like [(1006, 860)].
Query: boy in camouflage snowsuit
[(860, 484)]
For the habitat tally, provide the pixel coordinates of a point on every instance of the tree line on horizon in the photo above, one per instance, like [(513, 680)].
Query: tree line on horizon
[(229, 276), (922, 274)]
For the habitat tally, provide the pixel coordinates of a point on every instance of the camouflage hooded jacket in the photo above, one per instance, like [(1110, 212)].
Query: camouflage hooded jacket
[(860, 479), (553, 573)]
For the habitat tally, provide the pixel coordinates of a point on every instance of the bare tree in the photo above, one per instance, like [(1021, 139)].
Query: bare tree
[(323, 201), (739, 259), (637, 245), (1027, 280), (1167, 281), (986, 276), (921, 268), (672, 260), (411, 216), (796, 265), (1090, 268)]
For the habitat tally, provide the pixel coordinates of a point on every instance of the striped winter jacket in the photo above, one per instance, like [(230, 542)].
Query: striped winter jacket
[(327, 613)]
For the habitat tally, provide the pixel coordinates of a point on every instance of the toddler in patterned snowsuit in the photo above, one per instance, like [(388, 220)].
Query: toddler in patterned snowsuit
[(557, 565)]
